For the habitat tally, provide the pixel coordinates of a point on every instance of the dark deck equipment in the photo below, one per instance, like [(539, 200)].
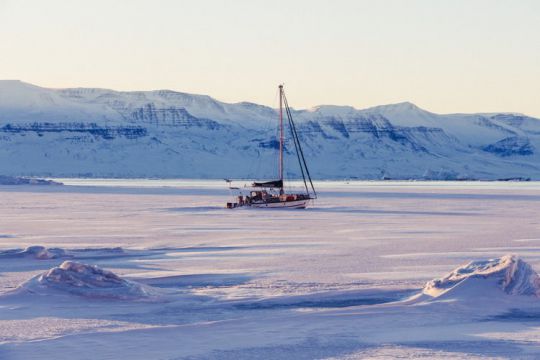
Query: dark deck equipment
[(269, 184)]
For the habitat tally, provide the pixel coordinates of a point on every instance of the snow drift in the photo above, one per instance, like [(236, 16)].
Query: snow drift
[(35, 252), (88, 281), (508, 274)]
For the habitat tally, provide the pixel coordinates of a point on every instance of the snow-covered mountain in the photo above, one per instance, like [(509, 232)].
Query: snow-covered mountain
[(106, 133)]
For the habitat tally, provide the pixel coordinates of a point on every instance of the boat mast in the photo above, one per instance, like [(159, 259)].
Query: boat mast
[(281, 137)]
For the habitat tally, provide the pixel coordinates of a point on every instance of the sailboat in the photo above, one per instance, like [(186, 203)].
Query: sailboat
[(272, 194)]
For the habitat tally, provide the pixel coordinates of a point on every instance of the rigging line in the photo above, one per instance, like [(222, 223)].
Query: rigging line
[(303, 158), (296, 142), (296, 145), (298, 151), (300, 146)]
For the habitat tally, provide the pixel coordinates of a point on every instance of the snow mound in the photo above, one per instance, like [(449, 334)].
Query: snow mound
[(88, 281), (35, 252), (508, 273)]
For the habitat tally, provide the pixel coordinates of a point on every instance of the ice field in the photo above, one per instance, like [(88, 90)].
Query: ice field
[(159, 269)]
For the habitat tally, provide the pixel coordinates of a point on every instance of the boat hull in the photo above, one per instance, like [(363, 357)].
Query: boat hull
[(293, 204)]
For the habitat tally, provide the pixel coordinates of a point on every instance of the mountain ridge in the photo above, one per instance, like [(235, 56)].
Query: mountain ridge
[(165, 133), (164, 90)]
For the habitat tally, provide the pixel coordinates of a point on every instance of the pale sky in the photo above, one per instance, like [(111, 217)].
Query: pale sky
[(444, 56)]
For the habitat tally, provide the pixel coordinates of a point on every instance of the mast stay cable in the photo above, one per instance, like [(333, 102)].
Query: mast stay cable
[(298, 147)]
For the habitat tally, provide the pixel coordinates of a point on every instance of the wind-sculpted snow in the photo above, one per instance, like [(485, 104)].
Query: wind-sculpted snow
[(509, 274), (38, 252), (68, 133), (34, 252), (87, 280)]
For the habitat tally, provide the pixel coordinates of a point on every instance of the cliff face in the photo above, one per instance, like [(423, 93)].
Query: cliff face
[(105, 133)]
